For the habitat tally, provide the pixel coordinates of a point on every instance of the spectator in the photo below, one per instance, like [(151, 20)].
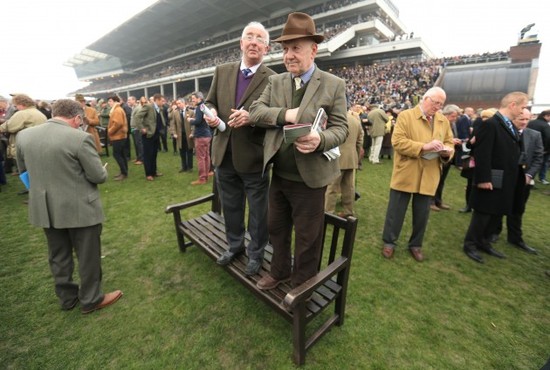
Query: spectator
[(202, 136)]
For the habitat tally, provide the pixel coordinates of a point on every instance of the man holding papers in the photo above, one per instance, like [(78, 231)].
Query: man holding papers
[(422, 140), (237, 148), (301, 172)]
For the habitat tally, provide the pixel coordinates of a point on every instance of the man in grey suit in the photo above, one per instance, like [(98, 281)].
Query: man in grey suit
[(237, 152), (301, 172), (530, 163), (64, 170)]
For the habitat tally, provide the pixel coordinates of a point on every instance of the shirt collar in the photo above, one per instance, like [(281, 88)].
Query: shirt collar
[(254, 68), (306, 76)]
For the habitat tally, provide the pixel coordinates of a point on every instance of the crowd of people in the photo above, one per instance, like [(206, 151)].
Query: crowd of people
[(288, 184)]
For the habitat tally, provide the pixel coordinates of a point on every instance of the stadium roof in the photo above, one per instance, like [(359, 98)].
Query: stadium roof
[(157, 30)]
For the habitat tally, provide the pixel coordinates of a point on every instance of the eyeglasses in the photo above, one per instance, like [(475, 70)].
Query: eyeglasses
[(435, 102), (259, 39)]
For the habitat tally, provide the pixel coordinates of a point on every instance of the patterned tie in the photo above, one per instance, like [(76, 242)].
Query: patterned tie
[(247, 72), (510, 126), (297, 83)]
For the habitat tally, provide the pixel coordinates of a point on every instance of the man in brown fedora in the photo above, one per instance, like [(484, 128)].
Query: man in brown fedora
[(301, 172)]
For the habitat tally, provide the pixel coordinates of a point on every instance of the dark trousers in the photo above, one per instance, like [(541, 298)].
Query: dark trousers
[(120, 156), (138, 145), (163, 140), (395, 215), (438, 197), (127, 152), (236, 189), (186, 155), (482, 226), (150, 151), (293, 204), (86, 243), (514, 221)]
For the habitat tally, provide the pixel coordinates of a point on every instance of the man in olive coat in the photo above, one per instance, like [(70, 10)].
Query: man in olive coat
[(422, 140), (497, 177), (64, 170)]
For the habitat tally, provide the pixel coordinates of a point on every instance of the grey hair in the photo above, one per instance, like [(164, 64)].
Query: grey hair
[(198, 95), (67, 108), (256, 25), (450, 108), (433, 91)]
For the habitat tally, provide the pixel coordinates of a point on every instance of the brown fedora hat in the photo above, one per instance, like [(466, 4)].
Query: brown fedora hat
[(299, 26)]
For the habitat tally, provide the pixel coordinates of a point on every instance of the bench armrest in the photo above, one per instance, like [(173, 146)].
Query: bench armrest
[(304, 291), (178, 207)]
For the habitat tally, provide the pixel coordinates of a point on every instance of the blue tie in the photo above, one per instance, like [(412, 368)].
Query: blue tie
[(510, 126), (247, 72)]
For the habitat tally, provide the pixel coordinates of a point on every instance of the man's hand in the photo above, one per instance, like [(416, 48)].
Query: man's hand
[(144, 131), (485, 185), (308, 143), (239, 118), (212, 122), (433, 146), (291, 114)]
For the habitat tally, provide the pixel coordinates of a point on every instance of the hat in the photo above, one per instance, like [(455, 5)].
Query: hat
[(80, 98), (298, 26)]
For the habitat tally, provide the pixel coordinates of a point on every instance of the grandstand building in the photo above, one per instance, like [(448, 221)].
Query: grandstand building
[(173, 46)]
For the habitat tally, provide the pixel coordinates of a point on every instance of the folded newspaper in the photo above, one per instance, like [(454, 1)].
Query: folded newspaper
[(292, 132)]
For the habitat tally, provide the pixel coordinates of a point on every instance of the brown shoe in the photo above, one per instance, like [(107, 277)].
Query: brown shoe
[(150, 178), (416, 252), (433, 207), (108, 299), (387, 251), (198, 182), (138, 163), (269, 282), (120, 177), (444, 207), (159, 174)]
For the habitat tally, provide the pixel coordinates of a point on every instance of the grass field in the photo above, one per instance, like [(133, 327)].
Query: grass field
[(181, 311)]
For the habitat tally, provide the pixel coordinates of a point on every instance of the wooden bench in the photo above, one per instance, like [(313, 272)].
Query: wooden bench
[(328, 287)]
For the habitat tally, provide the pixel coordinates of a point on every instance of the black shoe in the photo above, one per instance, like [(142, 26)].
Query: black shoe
[(227, 257), (465, 210), (493, 238), (473, 255), (253, 267), (525, 247), (69, 305), (493, 252)]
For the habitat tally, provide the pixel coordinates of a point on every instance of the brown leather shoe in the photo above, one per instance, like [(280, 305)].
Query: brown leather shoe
[(433, 207), (150, 178), (387, 251), (269, 282), (198, 182), (416, 252), (444, 207), (108, 300)]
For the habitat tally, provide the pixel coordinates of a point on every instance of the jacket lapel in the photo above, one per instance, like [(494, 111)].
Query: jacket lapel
[(232, 82)]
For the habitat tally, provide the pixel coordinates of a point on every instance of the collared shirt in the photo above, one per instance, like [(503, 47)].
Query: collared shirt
[(254, 68), (306, 76)]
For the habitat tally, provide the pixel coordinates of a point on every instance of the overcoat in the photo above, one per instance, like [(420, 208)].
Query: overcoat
[(496, 148), (411, 172)]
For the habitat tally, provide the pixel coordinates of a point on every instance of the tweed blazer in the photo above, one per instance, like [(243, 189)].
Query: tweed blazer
[(411, 172), (247, 141), (175, 128), (146, 118), (351, 148), (64, 170), (324, 90)]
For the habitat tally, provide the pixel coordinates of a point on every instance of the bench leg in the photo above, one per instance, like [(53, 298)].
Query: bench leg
[(299, 334)]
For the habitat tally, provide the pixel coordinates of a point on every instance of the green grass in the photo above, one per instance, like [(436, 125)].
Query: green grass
[(182, 311)]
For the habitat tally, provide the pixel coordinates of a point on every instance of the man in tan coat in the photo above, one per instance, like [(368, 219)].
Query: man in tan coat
[(378, 119), (349, 161), (91, 121), (422, 139)]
